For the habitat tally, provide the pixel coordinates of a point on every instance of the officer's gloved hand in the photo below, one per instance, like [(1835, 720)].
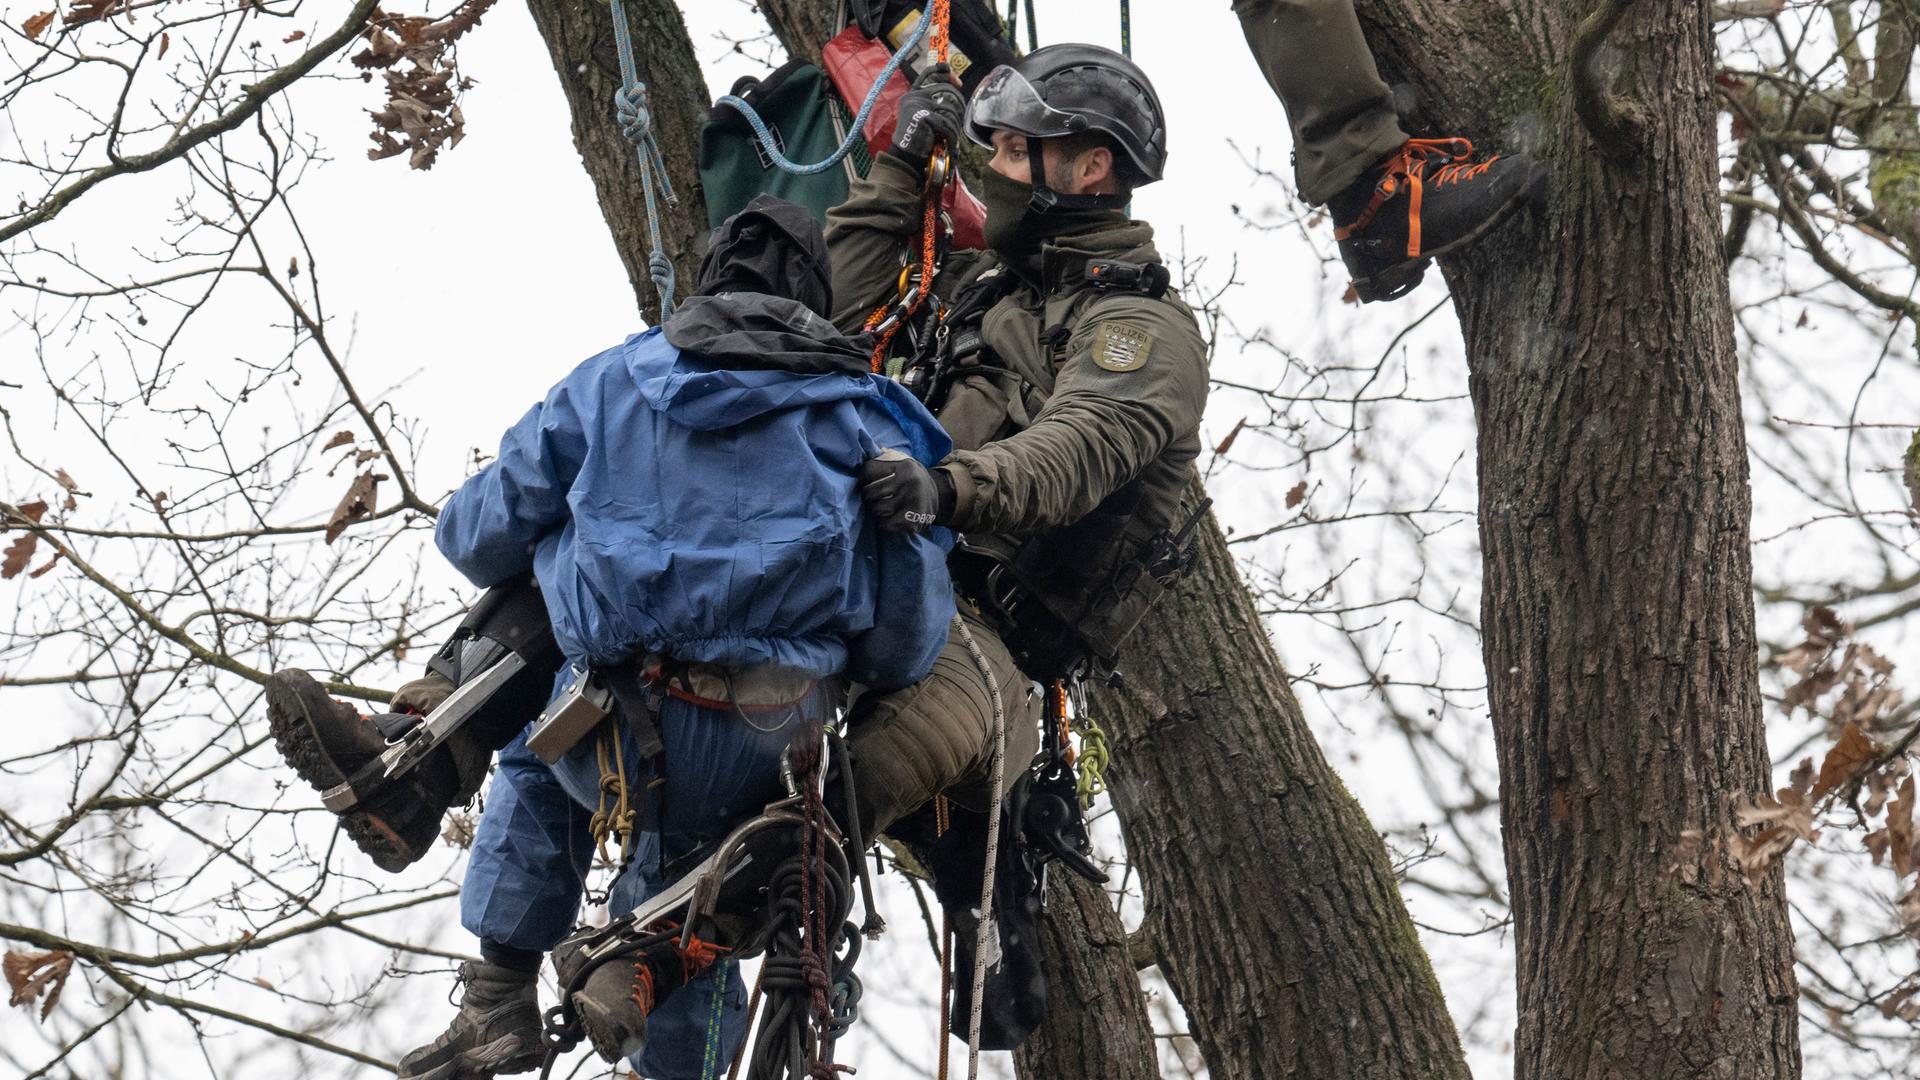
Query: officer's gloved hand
[(932, 111), (422, 695), (902, 495)]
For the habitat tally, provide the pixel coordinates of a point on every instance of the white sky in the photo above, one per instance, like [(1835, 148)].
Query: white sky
[(472, 288)]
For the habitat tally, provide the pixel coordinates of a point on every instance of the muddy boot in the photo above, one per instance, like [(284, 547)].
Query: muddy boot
[(496, 1031), (613, 1003), (326, 741), (1427, 199)]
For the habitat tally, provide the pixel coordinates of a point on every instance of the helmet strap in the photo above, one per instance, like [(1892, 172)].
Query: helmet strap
[(1045, 198)]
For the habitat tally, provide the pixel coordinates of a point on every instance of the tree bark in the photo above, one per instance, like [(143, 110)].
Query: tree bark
[(1096, 1018), (1614, 517), (1279, 925), (579, 37)]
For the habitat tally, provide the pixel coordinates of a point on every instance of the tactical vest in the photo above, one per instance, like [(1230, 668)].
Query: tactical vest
[(1064, 599)]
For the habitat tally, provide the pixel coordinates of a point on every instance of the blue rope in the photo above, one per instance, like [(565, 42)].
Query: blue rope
[(854, 133), (636, 123)]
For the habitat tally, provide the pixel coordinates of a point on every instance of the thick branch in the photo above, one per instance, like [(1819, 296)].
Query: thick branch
[(1616, 124)]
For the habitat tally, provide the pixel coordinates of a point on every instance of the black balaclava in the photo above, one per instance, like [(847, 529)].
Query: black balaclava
[(771, 247), (1021, 217)]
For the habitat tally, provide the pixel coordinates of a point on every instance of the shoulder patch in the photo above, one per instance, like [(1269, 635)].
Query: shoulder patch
[(1119, 346)]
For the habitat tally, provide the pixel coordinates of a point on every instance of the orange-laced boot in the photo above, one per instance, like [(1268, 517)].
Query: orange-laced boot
[(1424, 200)]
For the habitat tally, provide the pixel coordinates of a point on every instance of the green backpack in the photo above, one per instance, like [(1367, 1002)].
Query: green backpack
[(808, 122)]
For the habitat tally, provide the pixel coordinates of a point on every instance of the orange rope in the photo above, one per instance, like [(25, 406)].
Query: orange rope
[(930, 220)]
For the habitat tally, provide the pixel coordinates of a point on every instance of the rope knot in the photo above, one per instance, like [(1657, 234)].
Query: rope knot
[(630, 109)]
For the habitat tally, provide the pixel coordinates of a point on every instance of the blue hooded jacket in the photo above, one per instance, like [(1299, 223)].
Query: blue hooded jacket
[(698, 500)]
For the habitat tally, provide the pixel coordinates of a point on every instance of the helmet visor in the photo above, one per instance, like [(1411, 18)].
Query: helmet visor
[(1007, 101)]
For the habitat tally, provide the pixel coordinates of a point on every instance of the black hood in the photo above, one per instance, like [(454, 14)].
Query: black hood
[(765, 291), (745, 331), (771, 247)]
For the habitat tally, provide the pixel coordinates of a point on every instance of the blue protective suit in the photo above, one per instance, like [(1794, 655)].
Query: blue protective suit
[(668, 504), (692, 493)]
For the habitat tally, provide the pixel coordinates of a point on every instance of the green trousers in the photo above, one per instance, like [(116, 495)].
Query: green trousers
[(937, 735), (1316, 60)]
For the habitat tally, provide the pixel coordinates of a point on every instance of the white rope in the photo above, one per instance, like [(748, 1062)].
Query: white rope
[(993, 847)]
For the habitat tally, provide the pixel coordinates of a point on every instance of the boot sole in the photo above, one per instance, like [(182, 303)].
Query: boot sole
[(503, 1056), (296, 742), (603, 1031)]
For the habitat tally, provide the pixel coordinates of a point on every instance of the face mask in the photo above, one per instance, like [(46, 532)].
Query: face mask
[(1014, 229), (1009, 206)]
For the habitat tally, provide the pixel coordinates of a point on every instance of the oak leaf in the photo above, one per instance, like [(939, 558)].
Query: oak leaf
[(1847, 760), (86, 11), (166, 42), (356, 504), (17, 555), (340, 438), (31, 974), (1297, 494), (37, 24), (293, 37)]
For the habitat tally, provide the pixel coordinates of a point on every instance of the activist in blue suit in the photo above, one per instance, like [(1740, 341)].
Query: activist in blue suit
[(688, 503)]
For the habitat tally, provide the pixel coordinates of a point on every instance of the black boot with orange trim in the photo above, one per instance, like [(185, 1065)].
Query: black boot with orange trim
[(1426, 199)]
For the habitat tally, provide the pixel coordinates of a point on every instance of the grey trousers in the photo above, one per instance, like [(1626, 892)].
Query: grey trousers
[(1317, 61), (937, 735)]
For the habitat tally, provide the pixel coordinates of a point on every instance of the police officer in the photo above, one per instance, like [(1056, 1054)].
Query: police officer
[(1070, 377)]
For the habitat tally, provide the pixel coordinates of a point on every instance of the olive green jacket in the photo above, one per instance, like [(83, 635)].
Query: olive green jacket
[(1086, 443)]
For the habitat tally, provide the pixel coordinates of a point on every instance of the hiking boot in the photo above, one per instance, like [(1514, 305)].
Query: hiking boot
[(613, 1002), (496, 1031), (326, 741), (1427, 199)]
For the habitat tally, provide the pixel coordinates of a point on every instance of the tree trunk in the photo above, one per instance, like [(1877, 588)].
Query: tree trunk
[(1316, 969), (1614, 516), (1279, 925), (1096, 1018), (579, 36)]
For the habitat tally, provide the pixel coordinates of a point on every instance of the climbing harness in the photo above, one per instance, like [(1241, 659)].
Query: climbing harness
[(797, 910), (636, 123)]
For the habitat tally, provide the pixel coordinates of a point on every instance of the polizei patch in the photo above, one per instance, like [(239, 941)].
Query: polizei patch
[(1120, 347)]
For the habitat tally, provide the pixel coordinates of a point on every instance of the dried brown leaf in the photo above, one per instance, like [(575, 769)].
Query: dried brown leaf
[(86, 11), (1900, 829), (356, 504), (65, 480), (293, 37), (263, 984), (29, 975), (166, 42), (50, 564), (18, 554), (340, 438), (1352, 295), (1901, 1004), (1847, 760), (1296, 494), (37, 24), (34, 510), (1226, 444)]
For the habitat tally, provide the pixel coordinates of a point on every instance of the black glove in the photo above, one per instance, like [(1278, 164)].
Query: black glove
[(933, 110), (902, 495)]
